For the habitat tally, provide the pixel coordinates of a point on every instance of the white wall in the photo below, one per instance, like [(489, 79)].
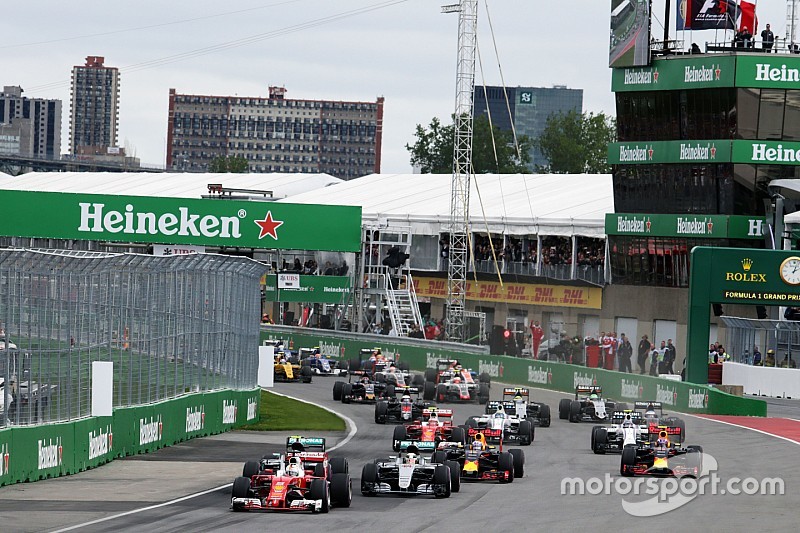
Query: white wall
[(763, 381)]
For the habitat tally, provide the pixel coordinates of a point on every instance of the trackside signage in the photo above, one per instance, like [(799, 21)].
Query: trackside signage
[(100, 442), (317, 289), (675, 73), (195, 418), (180, 221), (229, 410), (252, 409), (5, 459), (779, 72), (51, 453), (647, 153), (150, 430), (696, 226)]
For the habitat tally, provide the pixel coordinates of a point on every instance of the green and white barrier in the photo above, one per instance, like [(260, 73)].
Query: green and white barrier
[(30, 453), (675, 395)]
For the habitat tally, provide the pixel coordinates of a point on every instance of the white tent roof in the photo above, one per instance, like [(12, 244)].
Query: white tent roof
[(514, 204), (166, 184)]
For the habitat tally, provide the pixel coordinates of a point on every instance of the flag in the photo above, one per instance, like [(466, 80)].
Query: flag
[(707, 15), (747, 17)]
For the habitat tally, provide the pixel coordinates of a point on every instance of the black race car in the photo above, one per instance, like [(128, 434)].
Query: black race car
[(588, 406), (662, 455), (405, 409), (362, 390), (516, 402), (409, 473)]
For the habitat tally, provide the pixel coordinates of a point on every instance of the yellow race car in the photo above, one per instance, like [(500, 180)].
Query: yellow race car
[(288, 370)]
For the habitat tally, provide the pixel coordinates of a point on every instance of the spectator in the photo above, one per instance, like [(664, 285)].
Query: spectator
[(712, 354), (696, 49), (670, 356), (757, 356), (265, 319), (643, 351), (328, 269), (415, 333), (537, 334), (767, 40), (654, 358), (770, 359), (624, 353), (298, 266), (342, 271), (743, 38)]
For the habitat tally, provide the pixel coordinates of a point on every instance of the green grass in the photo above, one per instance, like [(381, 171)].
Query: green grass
[(279, 413)]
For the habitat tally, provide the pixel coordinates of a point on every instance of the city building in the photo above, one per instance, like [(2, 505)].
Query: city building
[(275, 134), (94, 115), (528, 108), (29, 126)]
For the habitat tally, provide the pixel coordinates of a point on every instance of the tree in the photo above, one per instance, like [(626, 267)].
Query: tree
[(433, 149), (235, 164), (577, 143)]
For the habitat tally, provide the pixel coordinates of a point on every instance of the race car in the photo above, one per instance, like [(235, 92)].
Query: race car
[(627, 427), (481, 461), (410, 473), (436, 426), (302, 479), (653, 414), (513, 428), (516, 401), (662, 455), (405, 409), (588, 406), (372, 362), (450, 382), (362, 390), (288, 371), (321, 366)]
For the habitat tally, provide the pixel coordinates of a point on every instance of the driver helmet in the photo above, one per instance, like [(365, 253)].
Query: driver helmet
[(662, 439), (594, 396), (456, 379), (405, 398), (411, 458), (500, 414), (650, 414), (477, 445), (294, 468), (457, 367), (365, 379), (433, 420)]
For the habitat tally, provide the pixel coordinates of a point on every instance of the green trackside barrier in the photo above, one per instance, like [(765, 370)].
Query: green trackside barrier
[(420, 355), (29, 453)]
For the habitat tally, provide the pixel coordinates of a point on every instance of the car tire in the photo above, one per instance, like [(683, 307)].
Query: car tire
[(306, 374), (505, 463), (337, 391), (483, 393), (339, 465), (389, 391), (319, 470), (455, 475), (381, 412), (441, 476), (347, 392), (681, 424), (575, 411), (404, 366), (472, 422), (418, 380), (441, 392), (353, 365), (430, 375), (694, 459), (429, 391), (563, 408), (519, 462), (241, 487), (526, 434), (341, 490), (399, 434), (458, 435), (600, 441), (250, 469), (622, 406), (319, 491), (369, 474), (485, 378), (592, 446), (628, 460), (544, 416), (439, 457)]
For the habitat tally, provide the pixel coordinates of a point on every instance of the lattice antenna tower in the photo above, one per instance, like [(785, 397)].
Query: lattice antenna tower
[(792, 15), (462, 167)]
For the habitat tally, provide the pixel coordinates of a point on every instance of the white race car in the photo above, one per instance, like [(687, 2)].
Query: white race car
[(515, 428), (628, 427)]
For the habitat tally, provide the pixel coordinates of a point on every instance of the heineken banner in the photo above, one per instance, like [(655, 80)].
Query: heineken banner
[(714, 151), (174, 221), (422, 355), (766, 152), (778, 72), (695, 226), (311, 289), (524, 293)]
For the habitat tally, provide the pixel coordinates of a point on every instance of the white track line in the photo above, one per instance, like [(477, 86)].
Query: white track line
[(745, 427), (350, 435)]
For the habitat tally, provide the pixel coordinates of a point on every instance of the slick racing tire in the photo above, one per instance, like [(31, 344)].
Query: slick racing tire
[(399, 434), (418, 381), (429, 391), (339, 465), (250, 469), (600, 440), (319, 470), (439, 457), (430, 375), (306, 374), (563, 408), (575, 411), (594, 437), (319, 491), (485, 378), (441, 477), (369, 474), (441, 392), (241, 487), (353, 365), (544, 416), (526, 434), (505, 463), (519, 462), (347, 392), (483, 393), (628, 460), (455, 475), (381, 412), (337, 391), (341, 490), (458, 435), (389, 391)]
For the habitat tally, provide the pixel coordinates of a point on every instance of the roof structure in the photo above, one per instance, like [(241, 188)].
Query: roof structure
[(167, 184), (514, 204)]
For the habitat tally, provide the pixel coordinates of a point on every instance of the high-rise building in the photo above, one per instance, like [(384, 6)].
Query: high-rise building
[(29, 126), (94, 117), (275, 134), (529, 107)]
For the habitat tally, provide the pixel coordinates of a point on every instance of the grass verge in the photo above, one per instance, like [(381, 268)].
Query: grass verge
[(278, 413)]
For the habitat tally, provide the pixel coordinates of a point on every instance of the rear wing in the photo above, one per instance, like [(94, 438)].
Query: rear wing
[(516, 391), (301, 444), (423, 446), (674, 433), (583, 389), (406, 390), (648, 406), (493, 405), (619, 416), (447, 413)]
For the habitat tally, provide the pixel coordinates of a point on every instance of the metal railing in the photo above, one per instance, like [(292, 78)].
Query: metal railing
[(170, 325)]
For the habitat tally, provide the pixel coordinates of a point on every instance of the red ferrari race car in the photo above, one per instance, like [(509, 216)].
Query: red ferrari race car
[(302, 479), (481, 461), (450, 382), (662, 456), (436, 426)]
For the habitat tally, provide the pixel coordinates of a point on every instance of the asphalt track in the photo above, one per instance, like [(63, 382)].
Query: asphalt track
[(130, 494)]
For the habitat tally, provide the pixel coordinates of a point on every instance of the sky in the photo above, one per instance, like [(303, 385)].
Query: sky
[(352, 50)]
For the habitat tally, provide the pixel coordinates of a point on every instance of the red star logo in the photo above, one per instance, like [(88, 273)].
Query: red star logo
[(655, 76), (549, 377), (648, 224), (641, 391), (110, 441), (60, 455), (202, 418), (717, 72), (5, 463), (650, 152), (710, 226), (713, 151), (269, 226)]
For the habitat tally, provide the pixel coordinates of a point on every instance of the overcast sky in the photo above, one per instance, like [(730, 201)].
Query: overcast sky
[(402, 50)]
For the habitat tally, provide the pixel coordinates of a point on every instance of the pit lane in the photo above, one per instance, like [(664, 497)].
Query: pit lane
[(141, 485)]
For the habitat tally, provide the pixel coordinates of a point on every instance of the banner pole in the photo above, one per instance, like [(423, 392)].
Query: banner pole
[(666, 23)]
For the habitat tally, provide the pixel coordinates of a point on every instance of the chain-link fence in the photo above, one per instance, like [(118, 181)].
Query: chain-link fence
[(170, 325)]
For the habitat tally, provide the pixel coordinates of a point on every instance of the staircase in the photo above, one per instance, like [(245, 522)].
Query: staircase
[(403, 307)]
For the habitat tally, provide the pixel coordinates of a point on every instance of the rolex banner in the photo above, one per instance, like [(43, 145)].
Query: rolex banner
[(180, 221), (707, 15)]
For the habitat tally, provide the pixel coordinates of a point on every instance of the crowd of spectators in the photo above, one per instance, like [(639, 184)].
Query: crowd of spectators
[(555, 250), (311, 268)]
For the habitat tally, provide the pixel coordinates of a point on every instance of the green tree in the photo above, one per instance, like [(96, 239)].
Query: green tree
[(433, 149), (235, 164), (577, 143)]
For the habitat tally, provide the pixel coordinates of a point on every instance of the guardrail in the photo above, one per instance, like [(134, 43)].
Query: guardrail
[(30, 453), (420, 355)]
